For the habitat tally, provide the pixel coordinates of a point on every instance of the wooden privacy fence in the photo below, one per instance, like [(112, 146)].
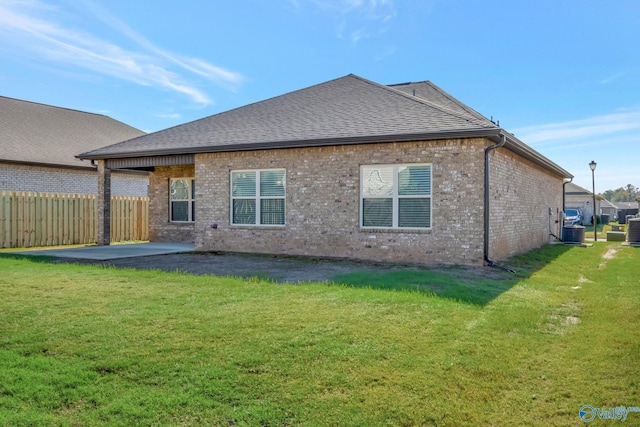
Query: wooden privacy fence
[(51, 219)]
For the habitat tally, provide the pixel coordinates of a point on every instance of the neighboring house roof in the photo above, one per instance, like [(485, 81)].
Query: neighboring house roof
[(605, 204), (347, 110), (627, 205), (572, 189), (43, 134)]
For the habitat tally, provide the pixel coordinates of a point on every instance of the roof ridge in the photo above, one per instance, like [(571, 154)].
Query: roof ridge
[(476, 115), (452, 98), (428, 103), (60, 108)]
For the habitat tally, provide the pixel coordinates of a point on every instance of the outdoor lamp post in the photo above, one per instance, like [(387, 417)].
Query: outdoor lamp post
[(592, 165)]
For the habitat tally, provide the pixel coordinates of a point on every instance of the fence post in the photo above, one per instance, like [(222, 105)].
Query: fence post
[(104, 203)]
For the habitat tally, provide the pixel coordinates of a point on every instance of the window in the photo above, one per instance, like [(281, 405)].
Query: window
[(257, 197), (182, 196), (396, 196)]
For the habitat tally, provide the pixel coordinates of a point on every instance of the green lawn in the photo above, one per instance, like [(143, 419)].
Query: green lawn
[(86, 345)]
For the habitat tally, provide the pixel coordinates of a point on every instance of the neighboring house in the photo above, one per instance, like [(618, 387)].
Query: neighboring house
[(38, 145), (625, 209), (348, 168), (608, 208), (579, 198)]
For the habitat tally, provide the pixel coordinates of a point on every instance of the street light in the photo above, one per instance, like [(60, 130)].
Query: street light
[(592, 165)]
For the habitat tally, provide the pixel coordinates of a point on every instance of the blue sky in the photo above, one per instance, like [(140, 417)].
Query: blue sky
[(563, 76)]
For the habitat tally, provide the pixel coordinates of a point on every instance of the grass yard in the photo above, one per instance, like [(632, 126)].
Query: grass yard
[(88, 345)]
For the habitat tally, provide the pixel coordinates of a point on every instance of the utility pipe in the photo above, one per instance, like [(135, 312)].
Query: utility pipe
[(564, 192), (490, 262), (564, 184)]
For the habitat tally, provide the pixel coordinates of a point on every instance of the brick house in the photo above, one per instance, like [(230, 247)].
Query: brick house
[(38, 145), (348, 168)]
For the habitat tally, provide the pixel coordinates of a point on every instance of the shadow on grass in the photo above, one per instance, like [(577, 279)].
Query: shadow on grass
[(473, 285), (469, 284), (33, 258)]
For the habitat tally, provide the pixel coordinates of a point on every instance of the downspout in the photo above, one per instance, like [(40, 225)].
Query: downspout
[(564, 191), (487, 150)]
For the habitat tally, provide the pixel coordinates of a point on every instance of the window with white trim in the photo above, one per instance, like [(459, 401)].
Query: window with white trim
[(182, 195), (395, 196), (258, 197)]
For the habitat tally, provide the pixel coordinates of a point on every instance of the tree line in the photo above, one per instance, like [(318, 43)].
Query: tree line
[(622, 194)]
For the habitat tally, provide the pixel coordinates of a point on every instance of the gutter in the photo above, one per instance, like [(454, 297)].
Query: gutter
[(564, 186), (488, 261), (99, 154), (564, 192)]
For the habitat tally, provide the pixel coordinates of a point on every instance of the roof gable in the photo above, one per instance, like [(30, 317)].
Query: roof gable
[(43, 134), (432, 93), (345, 108)]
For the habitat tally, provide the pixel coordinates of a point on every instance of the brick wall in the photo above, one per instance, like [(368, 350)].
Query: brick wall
[(15, 177), (520, 196), (160, 229), (323, 203)]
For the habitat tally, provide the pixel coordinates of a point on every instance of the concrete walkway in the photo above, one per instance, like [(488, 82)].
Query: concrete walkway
[(111, 252)]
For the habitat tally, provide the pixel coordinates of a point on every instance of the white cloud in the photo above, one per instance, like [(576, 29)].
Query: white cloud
[(620, 122), (169, 116), (48, 38), (361, 14), (612, 78), (197, 66), (609, 139)]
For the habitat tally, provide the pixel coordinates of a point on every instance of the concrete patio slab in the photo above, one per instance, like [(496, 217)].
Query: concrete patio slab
[(111, 252)]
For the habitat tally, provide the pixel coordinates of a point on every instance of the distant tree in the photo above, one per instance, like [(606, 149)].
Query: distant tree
[(622, 194)]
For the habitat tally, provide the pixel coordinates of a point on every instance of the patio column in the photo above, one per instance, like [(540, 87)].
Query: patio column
[(104, 204)]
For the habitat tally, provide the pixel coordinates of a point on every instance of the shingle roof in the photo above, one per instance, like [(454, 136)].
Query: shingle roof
[(604, 203), (430, 92), (572, 189), (44, 134), (627, 205), (346, 108)]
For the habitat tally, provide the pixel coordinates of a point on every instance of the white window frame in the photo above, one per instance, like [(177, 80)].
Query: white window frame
[(258, 198), (395, 197), (190, 200)]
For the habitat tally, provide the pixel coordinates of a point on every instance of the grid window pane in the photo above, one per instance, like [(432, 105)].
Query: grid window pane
[(243, 184), (414, 213), (244, 211), (272, 183), (377, 181), (180, 211), (272, 211), (182, 199), (414, 180), (396, 196), (258, 197), (377, 212), (179, 189)]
